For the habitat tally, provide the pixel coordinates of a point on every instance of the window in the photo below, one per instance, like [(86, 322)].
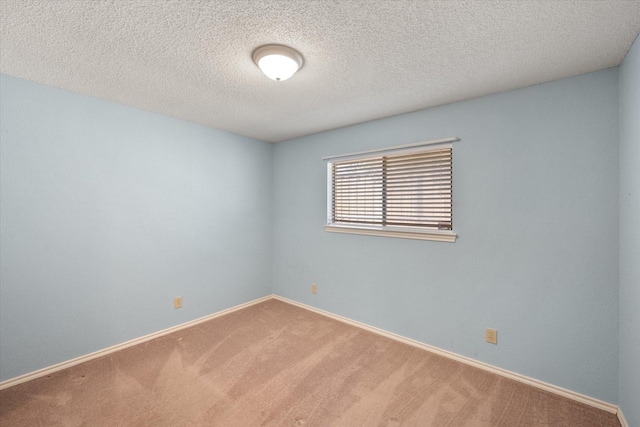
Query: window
[(398, 192)]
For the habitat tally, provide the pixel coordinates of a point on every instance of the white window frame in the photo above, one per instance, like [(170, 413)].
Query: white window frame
[(420, 233)]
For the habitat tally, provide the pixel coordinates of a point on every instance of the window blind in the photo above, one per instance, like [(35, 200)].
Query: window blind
[(411, 189)]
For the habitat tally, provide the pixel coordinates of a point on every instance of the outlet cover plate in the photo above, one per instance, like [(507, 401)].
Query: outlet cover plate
[(177, 302), (492, 336)]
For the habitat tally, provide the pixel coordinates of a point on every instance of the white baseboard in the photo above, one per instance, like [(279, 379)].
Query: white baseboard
[(69, 363), (622, 419), (609, 407)]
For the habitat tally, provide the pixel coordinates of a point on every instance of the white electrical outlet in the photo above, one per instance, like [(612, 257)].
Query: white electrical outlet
[(314, 288)]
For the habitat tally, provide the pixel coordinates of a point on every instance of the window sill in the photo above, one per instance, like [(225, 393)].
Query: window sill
[(436, 235)]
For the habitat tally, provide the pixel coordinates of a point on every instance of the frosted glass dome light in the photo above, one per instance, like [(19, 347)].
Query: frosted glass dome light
[(277, 62)]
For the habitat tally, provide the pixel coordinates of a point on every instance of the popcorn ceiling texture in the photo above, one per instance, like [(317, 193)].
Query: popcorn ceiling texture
[(364, 59)]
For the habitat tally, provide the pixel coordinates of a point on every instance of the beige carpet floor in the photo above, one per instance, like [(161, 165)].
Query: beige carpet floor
[(275, 364)]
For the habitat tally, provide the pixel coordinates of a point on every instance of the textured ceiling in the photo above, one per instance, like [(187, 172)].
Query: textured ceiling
[(364, 59)]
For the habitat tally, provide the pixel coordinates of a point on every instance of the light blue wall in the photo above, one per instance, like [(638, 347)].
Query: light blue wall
[(536, 210), (630, 236), (108, 212)]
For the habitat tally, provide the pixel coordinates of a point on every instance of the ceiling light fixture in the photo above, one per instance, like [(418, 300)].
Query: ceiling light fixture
[(277, 62)]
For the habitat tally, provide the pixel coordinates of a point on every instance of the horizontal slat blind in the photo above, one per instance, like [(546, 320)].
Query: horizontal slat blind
[(404, 190)]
